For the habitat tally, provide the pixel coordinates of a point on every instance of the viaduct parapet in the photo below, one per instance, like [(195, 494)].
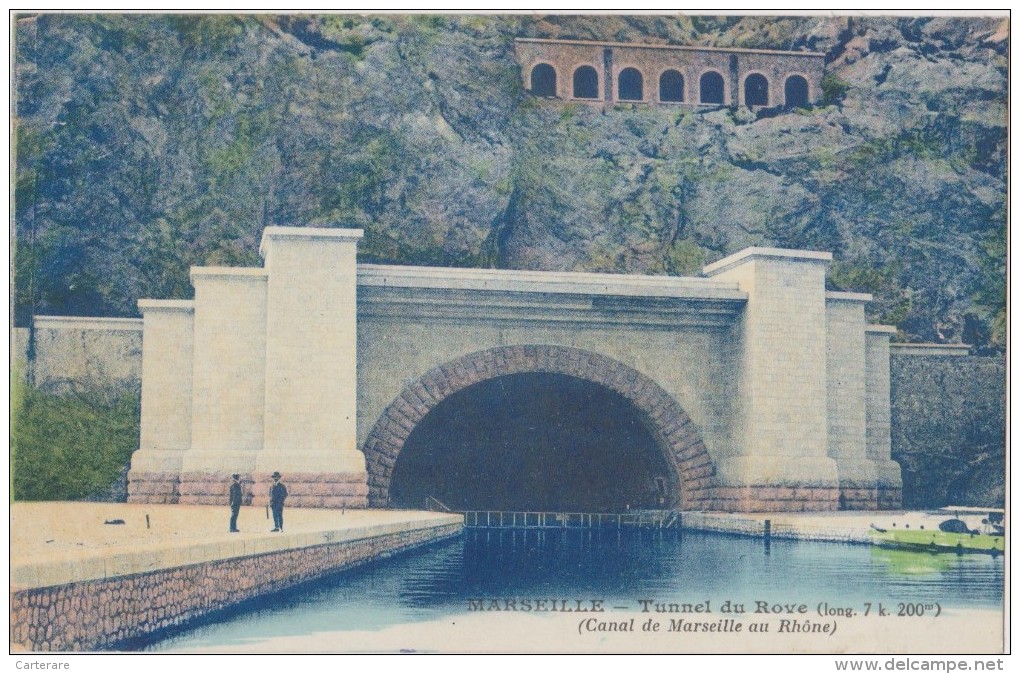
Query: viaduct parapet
[(619, 72)]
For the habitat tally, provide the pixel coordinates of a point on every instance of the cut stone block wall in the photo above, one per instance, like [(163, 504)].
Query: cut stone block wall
[(167, 377), (846, 365), (116, 612), (670, 425), (228, 380), (72, 352), (311, 352), (299, 366), (877, 409), (782, 378)]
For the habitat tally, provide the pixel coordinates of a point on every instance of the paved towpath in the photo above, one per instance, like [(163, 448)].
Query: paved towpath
[(54, 543), (48, 531), (851, 526)]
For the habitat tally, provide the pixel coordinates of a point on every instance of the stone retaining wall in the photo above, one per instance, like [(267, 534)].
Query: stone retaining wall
[(304, 490), (775, 499), (159, 488), (755, 528), (116, 612), (70, 353), (948, 426)]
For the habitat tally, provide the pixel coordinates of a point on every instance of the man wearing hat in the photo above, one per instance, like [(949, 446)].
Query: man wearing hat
[(277, 495), (235, 502)]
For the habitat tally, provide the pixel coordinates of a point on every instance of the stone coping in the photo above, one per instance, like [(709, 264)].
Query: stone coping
[(239, 273), (312, 232), (848, 526), (674, 47), (186, 306), (86, 323), (60, 543), (749, 254), (880, 329), (308, 233), (951, 350), (576, 283), (837, 296)]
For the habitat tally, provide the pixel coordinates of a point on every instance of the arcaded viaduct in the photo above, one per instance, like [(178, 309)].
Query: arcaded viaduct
[(615, 72)]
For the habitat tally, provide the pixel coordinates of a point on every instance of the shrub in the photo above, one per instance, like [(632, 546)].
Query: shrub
[(685, 258), (70, 447), (833, 89)]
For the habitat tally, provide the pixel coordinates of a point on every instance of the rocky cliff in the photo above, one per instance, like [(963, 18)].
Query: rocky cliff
[(146, 144), (949, 429)]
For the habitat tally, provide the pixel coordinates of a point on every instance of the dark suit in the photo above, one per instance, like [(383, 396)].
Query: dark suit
[(277, 495), (235, 504)]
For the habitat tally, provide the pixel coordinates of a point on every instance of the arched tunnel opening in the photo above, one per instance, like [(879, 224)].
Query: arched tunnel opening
[(533, 442)]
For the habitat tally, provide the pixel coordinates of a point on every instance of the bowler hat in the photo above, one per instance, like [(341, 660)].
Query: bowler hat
[(276, 475), (236, 476)]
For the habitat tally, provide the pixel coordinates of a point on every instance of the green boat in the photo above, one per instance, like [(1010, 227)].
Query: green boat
[(953, 535), (938, 541)]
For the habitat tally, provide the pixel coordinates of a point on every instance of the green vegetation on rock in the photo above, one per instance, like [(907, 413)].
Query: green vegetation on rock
[(834, 89), (146, 144)]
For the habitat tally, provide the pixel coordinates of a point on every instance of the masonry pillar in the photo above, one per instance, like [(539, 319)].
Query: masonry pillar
[(878, 415), (846, 395), (780, 460), (311, 367), (736, 97), (167, 350), (229, 381), (607, 75)]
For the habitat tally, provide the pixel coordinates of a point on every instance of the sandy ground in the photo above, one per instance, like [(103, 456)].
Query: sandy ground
[(41, 531)]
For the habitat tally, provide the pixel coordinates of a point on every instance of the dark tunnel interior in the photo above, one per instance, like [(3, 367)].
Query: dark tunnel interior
[(532, 442)]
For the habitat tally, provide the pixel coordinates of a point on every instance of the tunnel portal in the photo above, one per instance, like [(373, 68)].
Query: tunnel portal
[(532, 442)]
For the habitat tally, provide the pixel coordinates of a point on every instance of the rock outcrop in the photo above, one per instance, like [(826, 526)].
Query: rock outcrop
[(146, 144)]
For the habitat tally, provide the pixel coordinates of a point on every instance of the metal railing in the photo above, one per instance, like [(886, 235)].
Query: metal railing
[(500, 519)]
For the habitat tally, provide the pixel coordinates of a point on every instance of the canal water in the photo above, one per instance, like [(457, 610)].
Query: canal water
[(446, 581)]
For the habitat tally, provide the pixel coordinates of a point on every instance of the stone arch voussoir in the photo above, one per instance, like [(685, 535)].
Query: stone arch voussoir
[(671, 427)]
